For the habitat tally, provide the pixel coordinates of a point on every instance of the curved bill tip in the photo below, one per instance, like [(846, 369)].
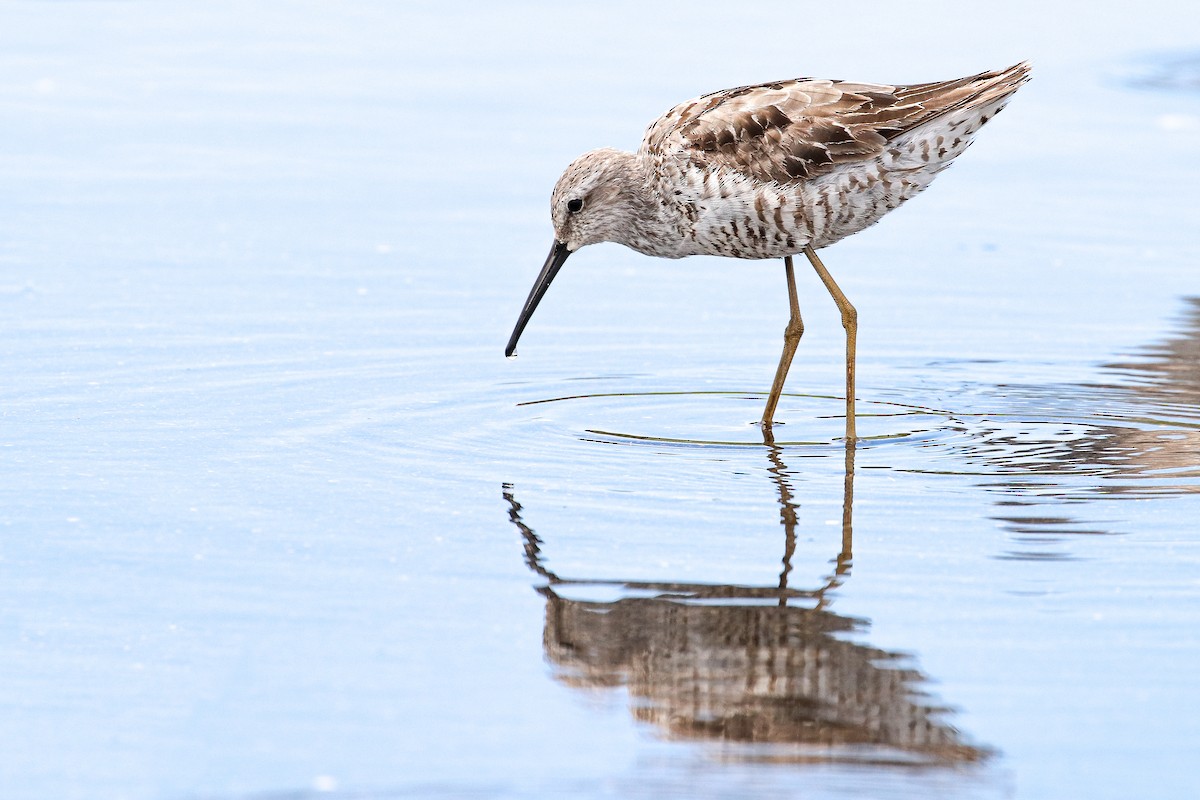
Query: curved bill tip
[(554, 261)]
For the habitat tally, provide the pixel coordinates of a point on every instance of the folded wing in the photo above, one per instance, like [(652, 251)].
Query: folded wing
[(794, 130)]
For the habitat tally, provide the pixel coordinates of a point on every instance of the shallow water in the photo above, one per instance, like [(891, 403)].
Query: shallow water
[(279, 520)]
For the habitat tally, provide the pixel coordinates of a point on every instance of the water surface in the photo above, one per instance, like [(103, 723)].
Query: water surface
[(279, 520)]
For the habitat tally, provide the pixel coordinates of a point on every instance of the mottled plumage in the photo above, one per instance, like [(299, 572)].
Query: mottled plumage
[(769, 171)]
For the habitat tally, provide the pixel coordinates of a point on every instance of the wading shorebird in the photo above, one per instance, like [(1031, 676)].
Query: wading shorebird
[(770, 171)]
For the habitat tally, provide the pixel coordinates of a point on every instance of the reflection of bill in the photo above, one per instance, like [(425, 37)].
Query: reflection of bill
[(769, 666)]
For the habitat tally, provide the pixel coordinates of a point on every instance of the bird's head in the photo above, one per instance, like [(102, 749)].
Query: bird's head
[(595, 200)]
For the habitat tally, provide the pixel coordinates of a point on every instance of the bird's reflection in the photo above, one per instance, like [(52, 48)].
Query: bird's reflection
[(1140, 435), (770, 668), (1134, 437), (1165, 377)]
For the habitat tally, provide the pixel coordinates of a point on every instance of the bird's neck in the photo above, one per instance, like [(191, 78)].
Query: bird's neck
[(647, 227)]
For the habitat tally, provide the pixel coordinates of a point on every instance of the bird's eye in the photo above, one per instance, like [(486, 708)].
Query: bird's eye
[(574, 205)]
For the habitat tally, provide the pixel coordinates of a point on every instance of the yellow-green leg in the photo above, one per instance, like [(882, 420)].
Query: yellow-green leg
[(791, 339), (850, 323)]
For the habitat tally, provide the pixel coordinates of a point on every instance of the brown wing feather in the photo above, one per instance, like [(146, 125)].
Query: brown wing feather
[(793, 130)]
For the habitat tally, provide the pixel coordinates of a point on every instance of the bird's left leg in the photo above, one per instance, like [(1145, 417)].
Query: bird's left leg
[(791, 339), (850, 323)]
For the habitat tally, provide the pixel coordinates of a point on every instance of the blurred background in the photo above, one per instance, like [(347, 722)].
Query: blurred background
[(277, 519)]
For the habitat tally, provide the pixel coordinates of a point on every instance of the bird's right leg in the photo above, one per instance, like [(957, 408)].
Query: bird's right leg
[(791, 339), (850, 323)]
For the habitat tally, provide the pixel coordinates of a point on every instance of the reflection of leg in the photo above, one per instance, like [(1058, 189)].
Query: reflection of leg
[(791, 338), (846, 557), (850, 323), (787, 514)]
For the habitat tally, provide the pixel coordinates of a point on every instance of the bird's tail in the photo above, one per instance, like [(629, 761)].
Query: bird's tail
[(960, 108), (982, 96)]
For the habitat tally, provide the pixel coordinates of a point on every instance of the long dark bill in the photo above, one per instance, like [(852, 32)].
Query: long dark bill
[(554, 261)]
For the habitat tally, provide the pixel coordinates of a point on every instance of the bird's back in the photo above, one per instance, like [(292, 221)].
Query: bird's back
[(760, 171)]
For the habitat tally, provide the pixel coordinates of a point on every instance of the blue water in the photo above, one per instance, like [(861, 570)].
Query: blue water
[(277, 519)]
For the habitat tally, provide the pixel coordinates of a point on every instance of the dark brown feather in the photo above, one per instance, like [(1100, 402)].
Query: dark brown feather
[(786, 131)]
